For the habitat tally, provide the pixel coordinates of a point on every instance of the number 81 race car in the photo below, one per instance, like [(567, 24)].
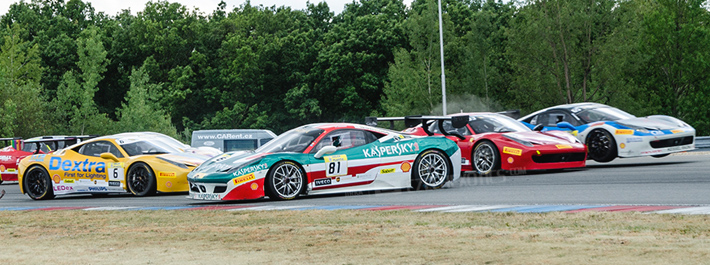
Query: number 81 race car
[(328, 158)]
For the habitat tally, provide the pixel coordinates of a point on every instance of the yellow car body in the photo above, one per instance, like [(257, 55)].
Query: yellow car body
[(110, 164)]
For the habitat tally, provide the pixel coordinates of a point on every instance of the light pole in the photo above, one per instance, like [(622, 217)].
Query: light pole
[(441, 48)]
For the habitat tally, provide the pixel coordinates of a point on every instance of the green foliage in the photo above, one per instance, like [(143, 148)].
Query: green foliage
[(141, 112)]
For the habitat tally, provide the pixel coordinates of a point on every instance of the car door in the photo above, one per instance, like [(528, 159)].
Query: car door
[(351, 164), (84, 168)]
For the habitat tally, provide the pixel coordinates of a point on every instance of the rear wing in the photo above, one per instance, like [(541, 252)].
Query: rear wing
[(15, 142), (56, 140), (411, 121)]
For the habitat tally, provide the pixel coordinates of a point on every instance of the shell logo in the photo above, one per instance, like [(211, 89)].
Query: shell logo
[(622, 145), (2, 168), (510, 160), (406, 167), (168, 184), (254, 186), (56, 179)]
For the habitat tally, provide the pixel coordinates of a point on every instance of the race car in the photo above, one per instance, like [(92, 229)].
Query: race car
[(139, 163), (17, 148), (327, 158), (610, 132), (491, 141)]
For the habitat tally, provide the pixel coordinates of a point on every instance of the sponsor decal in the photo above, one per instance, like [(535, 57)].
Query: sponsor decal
[(676, 148), (465, 161), (98, 189), (242, 179), (634, 140), (651, 152), (395, 149), (622, 145), (250, 169), (68, 181), (337, 179), (677, 131), (5, 158), (206, 196), (10, 170), (512, 151), (321, 182), (254, 186), (63, 188), (166, 174), (114, 183), (2, 168), (168, 184), (387, 170), (563, 146), (575, 132), (510, 160), (226, 136), (56, 179), (56, 163), (624, 132), (405, 167), (37, 158)]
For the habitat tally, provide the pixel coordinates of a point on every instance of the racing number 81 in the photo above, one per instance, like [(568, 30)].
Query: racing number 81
[(336, 165)]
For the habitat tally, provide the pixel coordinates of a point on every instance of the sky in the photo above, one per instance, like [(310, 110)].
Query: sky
[(113, 7)]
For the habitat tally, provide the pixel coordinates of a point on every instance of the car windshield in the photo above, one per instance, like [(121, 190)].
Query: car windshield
[(148, 148), (296, 140), (603, 114), (495, 123)]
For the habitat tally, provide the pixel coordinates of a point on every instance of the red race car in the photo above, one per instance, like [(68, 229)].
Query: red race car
[(17, 148), (491, 141)]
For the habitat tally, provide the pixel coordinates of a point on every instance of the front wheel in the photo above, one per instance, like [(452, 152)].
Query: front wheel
[(38, 184), (601, 145), (485, 158), (141, 180), (285, 181), (431, 170)]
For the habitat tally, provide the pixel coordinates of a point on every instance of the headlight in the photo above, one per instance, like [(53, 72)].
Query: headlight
[(523, 142)]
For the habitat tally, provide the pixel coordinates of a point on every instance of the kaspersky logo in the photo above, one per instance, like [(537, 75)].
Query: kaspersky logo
[(55, 163), (395, 149)]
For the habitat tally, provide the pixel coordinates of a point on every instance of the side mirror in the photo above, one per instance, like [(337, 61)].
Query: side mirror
[(565, 125), (109, 156), (326, 150), (538, 127)]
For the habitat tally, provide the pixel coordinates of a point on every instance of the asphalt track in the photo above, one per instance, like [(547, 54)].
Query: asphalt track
[(676, 180)]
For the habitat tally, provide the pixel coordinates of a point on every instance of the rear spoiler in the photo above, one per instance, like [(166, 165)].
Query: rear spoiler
[(52, 139), (15, 142), (515, 114), (411, 121)]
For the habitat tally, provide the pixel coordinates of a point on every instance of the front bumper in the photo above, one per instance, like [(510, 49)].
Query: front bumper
[(634, 146), (541, 157), (226, 191)]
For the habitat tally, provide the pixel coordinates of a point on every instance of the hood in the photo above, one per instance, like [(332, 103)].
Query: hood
[(544, 138), (186, 159), (229, 161), (648, 123)]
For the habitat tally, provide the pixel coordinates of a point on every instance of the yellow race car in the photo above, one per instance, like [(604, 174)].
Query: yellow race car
[(139, 163)]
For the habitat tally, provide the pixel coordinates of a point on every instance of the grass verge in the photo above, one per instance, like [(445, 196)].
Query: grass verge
[(350, 237)]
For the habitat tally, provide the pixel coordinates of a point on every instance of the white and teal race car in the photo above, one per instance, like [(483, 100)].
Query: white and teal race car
[(328, 158), (609, 132)]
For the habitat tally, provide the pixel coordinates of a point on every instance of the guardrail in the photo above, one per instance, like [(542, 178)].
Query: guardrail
[(702, 142)]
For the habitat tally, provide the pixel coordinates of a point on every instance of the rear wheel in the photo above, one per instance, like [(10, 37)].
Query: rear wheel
[(285, 181), (601, 145), (38, 184), (485, 158), (431, 170), (141, 180)]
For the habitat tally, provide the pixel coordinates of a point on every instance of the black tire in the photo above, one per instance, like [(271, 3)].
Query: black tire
[(431, 170), (37, 183), (601, 146), (485, 158), (140, 180), (285, 181), (659, 156)]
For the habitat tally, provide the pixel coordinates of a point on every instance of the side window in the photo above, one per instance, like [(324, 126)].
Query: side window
[(344, 139), (558, 116), (99, 147), (434, 127)]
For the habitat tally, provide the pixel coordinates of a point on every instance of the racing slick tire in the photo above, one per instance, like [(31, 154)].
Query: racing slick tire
[(659, 156), (38, 184), (140, 180), (285, 181), (431, 170), (485, 158), (601, 146)]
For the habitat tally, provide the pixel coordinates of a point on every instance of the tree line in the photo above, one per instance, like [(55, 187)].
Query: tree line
[(67, 69)]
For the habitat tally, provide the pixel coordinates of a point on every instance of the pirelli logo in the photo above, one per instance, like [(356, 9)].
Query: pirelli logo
[(512, 151), (563, 146), (628, 132), (166, 174), (242, 179)]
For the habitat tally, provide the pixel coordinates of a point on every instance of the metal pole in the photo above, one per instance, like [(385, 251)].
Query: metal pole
[(441, 48)]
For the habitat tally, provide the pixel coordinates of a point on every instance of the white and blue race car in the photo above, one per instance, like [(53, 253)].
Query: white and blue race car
[(609, 132)]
